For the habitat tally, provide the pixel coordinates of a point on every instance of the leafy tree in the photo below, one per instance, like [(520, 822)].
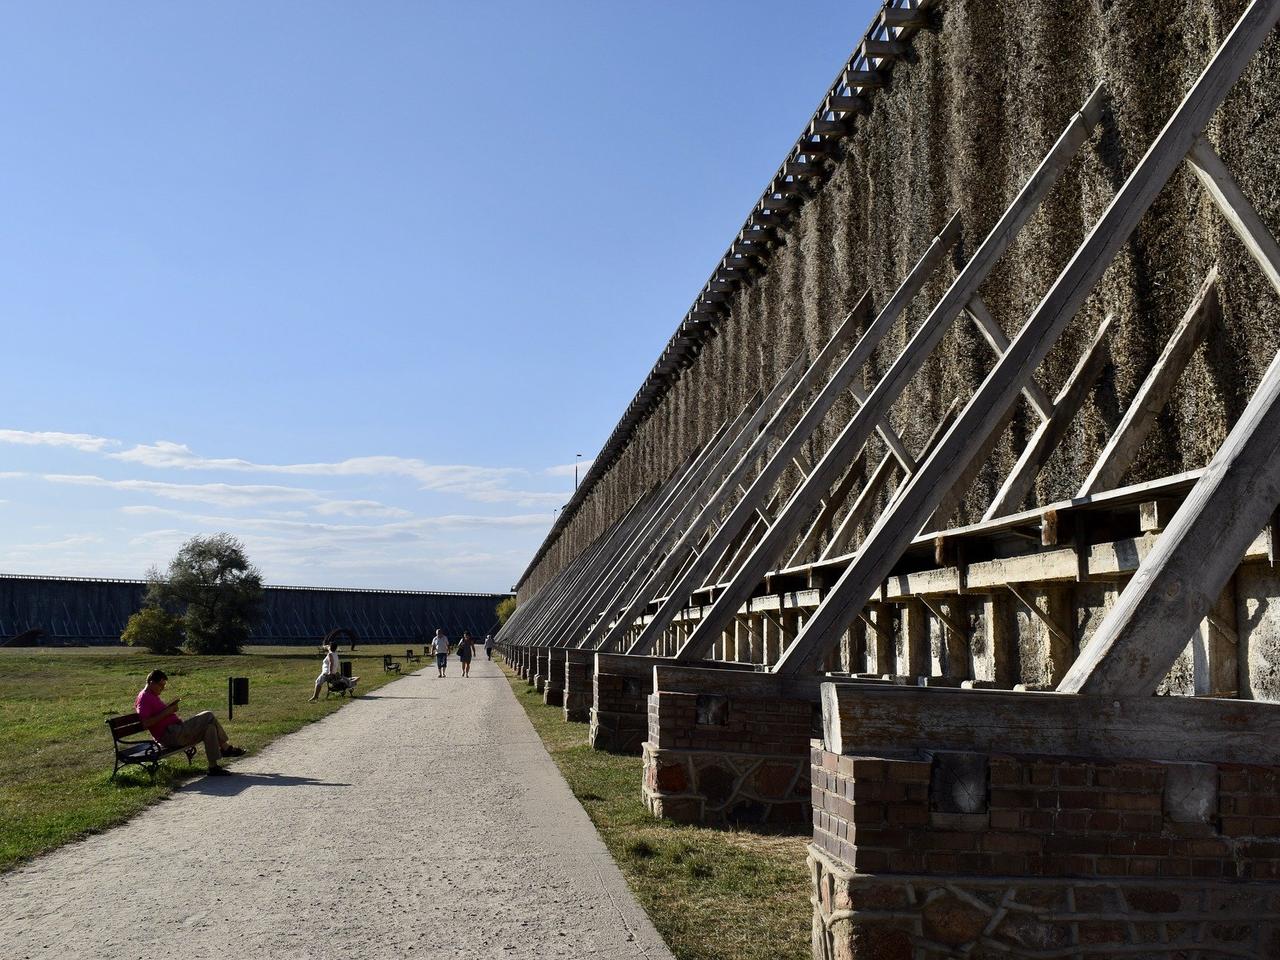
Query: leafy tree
[(505, 609), (214, 588), (154, 628)]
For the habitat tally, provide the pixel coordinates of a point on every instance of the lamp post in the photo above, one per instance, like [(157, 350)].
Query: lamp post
[(577, 457)]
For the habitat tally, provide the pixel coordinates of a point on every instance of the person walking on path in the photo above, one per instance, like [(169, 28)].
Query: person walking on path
[(440, 646), (170, 730), (466, 647), (488, 646)]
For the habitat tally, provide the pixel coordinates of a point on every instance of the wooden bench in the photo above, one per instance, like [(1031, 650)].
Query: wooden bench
[(336, 683), (410, 657), (145, 752), (389, 664)]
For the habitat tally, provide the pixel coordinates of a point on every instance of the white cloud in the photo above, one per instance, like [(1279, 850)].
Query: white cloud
[(482, 484), (566, 469), (48, 438), (218, 494), (359, 508)]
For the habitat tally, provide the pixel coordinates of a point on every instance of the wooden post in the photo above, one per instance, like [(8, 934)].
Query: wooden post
[(1215, 649), (1001, 659), (915, 640)]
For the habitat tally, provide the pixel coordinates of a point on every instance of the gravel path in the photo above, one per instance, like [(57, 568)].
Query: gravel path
[(423, 820)]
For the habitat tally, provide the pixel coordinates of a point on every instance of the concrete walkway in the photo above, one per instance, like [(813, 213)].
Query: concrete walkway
[(423, 820)]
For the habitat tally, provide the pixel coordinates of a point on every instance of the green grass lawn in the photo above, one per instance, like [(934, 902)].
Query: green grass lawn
[(712, 894), (55, 750)]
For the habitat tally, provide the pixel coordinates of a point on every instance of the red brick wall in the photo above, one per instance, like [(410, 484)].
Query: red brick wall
[(730, 724), (1047, 817)]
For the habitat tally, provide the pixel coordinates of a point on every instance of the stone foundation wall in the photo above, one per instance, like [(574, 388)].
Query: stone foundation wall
[(963, 854), (717, 759)]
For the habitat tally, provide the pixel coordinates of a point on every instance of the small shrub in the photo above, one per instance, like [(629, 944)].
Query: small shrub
[(155, 629)]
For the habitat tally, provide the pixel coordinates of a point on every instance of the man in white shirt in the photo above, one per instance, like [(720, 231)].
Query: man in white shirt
[(440, 645)]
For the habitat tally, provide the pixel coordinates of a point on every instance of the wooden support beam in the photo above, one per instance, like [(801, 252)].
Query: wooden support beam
[(809, 419), (1013, 492), (1236, 208), (999, 343), (883, 50), (886, 431), (990, 403), (1118, 455), (880, 657), (882, 717), (831, 505), (1188, 568), (838, 103), (863, 78), (1055, 614), (876, 483), (903, 17), (955, 655), (915, 640), (1000, 659), (1215, 649)]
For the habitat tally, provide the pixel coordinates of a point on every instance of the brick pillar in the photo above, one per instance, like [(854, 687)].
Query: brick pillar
[(579, 667), (553, 686)]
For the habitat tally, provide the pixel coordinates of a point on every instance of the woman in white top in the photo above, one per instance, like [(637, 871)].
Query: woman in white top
[(330, 667)]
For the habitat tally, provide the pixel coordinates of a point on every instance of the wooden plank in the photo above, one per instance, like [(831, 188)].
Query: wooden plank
[(800, 507), (1215, 649), (875, 483), (839, 103), (990, 403), (887, 433), (1235, 206), (831, 505), (1118, 455), (1013, 492), (871, 719), (995, 337)]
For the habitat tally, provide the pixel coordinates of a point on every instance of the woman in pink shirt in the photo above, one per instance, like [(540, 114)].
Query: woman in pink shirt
[(170, 730)]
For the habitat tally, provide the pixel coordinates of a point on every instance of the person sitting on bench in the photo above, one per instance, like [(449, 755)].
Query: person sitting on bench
[(170, 730), (331, 672)]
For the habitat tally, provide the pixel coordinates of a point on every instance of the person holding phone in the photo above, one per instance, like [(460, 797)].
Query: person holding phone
[(170, 730)]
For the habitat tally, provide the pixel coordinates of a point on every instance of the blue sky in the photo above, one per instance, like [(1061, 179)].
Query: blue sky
[(356, 281)]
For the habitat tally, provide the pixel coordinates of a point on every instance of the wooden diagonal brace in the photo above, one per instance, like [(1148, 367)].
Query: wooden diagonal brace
[(1119, 453)]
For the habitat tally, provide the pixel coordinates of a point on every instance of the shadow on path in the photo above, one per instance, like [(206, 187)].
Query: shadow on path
[(239, 782)]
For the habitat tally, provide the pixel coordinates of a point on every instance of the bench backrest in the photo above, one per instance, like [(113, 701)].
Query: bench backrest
[(125, 725)]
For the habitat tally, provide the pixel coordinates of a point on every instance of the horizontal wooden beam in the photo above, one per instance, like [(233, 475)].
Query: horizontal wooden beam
[(871, 719)]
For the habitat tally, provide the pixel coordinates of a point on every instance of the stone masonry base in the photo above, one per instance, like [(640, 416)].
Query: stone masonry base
[(618, 732), (703, 786), (904, 917)]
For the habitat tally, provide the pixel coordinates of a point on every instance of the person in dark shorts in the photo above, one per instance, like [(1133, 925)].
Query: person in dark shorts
[(440, 647), (466, 647), (488, 646)]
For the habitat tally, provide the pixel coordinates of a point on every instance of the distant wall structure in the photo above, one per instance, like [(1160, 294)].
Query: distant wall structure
[(40, 611), (974, 100)]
